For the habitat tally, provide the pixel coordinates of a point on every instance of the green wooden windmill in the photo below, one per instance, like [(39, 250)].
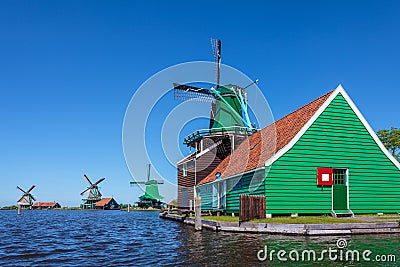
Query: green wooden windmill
[(151, 197), (229, 106)]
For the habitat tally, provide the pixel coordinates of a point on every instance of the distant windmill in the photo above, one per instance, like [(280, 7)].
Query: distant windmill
[(26, 201), (94, 193), (151, 197)]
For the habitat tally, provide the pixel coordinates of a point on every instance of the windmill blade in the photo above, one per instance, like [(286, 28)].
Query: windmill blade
[(85, 191), (160, 182), (190, 88), (30, 189), (87, 179), (21, 190), (99, 181), (186, 92), (33, 198), (132, 183)]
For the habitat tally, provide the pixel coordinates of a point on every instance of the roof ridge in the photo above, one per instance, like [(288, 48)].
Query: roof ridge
[(296, 110)]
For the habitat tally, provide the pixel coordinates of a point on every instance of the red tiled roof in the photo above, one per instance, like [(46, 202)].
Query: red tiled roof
[(103, 202), (260, 146), (44, 204)]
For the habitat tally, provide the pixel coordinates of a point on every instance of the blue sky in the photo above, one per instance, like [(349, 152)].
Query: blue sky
[(69, 69)]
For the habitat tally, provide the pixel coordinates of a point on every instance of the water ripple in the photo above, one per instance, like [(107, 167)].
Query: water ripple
[(140, 238)]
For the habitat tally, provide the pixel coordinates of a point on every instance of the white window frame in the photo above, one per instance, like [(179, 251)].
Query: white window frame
[(184, 169)]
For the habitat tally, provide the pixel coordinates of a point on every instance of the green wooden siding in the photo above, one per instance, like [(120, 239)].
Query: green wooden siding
[(242, 185), (336, 139), (205, 191), (247, 184)]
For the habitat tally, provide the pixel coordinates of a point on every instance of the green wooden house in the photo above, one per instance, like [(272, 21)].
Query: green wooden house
[(322, 158)]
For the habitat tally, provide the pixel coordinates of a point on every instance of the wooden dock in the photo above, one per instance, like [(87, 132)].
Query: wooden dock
[(292, 229)]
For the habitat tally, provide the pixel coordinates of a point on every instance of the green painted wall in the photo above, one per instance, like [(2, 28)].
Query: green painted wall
[(248, 184), (205, 191), (336, 139)]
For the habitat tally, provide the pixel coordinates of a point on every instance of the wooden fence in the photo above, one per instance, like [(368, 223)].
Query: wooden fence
[(252, 207)]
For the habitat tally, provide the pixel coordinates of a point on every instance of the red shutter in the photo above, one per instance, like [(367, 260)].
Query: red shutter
[(324, 176)]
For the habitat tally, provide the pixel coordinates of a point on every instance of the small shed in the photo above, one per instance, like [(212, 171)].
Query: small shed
[(322, 158), (107, 204), (46, 205)]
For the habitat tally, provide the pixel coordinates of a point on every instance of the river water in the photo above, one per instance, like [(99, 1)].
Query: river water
[(140, 238)]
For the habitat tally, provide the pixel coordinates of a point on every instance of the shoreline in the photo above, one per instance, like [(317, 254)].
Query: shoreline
[(124, 209), (293, 229)]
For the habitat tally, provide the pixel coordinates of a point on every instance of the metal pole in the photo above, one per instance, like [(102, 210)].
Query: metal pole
[(197, 219), (19, 209), (148, 173)]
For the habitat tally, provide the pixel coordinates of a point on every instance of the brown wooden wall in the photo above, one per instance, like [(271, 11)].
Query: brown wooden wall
[(185, 182), (205, 164)]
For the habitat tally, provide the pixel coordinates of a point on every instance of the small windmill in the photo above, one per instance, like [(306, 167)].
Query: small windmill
[(151, 197), (94, 193), (26, 200)]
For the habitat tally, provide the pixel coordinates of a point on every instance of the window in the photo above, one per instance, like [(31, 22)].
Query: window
[(184, 169), (339, 176)]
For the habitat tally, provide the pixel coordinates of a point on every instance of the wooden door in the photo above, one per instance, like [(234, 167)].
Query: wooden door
[(340, 190)]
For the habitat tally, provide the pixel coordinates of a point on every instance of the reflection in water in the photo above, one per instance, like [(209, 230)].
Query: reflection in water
[(81, 238)]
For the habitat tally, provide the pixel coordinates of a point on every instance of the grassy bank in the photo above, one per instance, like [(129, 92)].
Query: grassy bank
[(312, 219), (288, 220), (141, 209)]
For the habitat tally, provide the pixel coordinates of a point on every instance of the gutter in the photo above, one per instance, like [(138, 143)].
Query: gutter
[(236, 175)]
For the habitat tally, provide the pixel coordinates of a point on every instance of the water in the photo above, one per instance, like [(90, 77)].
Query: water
[(140, 238)]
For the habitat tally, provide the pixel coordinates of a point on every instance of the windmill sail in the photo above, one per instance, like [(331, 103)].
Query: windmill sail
[(94, 193), (27, 198), (186, 92)]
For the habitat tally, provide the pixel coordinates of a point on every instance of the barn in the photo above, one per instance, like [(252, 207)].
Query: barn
[(46, 205), (107, 204), (323, 158)]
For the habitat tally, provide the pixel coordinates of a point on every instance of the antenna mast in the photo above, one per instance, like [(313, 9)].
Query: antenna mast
[(148, 172), (216, 46)]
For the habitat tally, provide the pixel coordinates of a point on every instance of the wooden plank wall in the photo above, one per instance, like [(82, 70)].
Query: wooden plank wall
[(252, 207), (185, 182), (205, 164), (243, 185), (336, 139)]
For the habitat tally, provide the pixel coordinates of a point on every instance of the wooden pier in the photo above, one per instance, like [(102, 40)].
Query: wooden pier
[(292, 229)]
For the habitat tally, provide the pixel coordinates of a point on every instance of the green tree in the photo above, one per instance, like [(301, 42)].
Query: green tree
[(391, 140)]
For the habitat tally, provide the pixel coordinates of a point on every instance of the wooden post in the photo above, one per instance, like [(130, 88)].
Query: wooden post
[(197, 211), (129, 208), (19, 209)]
